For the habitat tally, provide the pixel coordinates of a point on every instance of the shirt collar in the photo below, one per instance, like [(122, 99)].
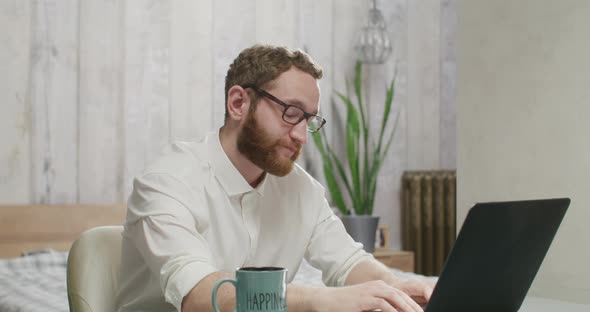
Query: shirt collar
[(226, 173)]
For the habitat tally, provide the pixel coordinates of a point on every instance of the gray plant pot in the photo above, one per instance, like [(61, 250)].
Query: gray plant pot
[(362, 229)]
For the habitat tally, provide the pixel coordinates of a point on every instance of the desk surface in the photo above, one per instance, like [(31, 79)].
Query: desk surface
[(534, 304)]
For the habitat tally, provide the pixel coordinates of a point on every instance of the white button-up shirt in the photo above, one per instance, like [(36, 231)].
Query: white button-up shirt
[(191, 213)]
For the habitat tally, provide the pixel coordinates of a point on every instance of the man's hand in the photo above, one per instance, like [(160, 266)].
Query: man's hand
[(419, 290), (366, 296)]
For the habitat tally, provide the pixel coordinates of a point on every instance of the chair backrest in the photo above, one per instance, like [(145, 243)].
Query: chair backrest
[(93, 268)]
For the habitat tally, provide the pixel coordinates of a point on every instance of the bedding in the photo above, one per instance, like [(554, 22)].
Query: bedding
[(37, 282)]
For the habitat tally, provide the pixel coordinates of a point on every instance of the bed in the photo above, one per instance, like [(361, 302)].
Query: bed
[(34, 241), (25, 228)]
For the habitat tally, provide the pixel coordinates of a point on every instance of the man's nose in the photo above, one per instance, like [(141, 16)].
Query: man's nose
[(299, 132)]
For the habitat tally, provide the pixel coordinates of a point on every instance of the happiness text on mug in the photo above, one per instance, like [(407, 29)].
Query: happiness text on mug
[(265, 301)]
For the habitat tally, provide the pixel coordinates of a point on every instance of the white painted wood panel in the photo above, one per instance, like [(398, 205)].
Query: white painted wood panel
[(314, 34), (387, 201), (54, 97), (275, 22), (154, 71), (147, 84), (234, 29), (424, 84), (346, 20), (348, 17), (191, 72), (448, 86), (15, 16), (100, 104)]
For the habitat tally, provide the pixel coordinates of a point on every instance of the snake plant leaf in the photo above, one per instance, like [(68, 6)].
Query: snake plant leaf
[(387, 109), (358, 85), (331, 182), (317, 140), (351, 114), (382, 154), (353, 164), (352, 148), (359, 181), (341, 171), (335, 190), (358, 75)]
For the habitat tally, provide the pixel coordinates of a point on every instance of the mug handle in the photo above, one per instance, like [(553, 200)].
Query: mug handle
[(214, 295)]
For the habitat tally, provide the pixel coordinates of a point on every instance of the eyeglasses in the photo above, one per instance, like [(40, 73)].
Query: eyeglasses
[(291, 113)]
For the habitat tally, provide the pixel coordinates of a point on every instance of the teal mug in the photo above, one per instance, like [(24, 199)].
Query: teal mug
[(257, 289)]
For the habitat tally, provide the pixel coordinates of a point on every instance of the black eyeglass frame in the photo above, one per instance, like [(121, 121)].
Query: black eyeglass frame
[(286, 106)]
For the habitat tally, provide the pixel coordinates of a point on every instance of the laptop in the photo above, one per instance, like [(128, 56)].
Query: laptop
[(496, 256)]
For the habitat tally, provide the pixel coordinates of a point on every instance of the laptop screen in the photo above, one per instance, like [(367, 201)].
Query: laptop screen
[(496, 256)]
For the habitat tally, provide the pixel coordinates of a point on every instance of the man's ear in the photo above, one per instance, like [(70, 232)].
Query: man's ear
[(238, 103)]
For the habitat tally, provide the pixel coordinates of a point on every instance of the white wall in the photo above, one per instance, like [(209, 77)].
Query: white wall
[(523, 107), (91, 90)]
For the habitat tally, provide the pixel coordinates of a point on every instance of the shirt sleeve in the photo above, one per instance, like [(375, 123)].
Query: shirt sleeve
[(166, 221), (332, 250)]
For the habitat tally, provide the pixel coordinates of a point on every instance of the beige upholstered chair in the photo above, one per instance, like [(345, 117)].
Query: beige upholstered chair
[(93, 267)]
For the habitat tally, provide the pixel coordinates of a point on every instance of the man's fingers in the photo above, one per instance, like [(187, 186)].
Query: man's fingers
[(420, 290), (420, 300), (380, 304), (429, 290), (410, 302), (398, 299), (427, 287)]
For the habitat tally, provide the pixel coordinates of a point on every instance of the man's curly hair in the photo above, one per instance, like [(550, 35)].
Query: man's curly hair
[(260, 64)]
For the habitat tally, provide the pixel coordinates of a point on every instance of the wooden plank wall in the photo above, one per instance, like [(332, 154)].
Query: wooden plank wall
[(90, 91)]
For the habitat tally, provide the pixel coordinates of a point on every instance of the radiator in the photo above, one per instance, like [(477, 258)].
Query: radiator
[(429, 217)]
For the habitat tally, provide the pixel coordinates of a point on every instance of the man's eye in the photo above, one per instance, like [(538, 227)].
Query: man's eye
[(292, 112), (291, 115)]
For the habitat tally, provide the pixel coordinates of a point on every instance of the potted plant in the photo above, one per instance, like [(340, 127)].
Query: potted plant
[(352, 179)]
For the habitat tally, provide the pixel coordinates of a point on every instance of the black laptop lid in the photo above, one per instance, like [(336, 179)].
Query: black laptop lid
[(496, 255)]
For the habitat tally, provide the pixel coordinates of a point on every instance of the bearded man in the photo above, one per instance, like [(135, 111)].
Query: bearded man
[(237, 198)]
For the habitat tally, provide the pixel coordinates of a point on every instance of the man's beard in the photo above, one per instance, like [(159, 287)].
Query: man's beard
[(259, 147)]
